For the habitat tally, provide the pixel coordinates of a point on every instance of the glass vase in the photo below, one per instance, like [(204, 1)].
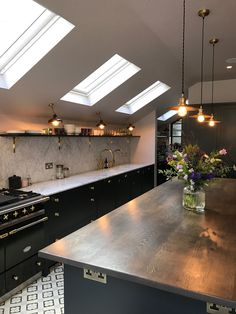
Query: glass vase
[(194, 200)]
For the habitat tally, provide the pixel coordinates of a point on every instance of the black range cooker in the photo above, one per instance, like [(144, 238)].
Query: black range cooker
[(22, 234)]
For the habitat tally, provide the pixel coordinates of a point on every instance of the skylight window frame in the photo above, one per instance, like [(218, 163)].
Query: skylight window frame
[(103, 81), (143, 98), (167, 115), (34, 43)]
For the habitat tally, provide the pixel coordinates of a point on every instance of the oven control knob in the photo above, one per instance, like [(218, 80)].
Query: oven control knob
[(24, 211), (5, 217), (15, 214), (32, 208)]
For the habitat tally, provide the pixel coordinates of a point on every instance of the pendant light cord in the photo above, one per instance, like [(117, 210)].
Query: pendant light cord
[(202, 58), (213, 77), (183, 47)]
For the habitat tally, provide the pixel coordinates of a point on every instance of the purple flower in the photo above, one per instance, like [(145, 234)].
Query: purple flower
[(195, 176), (179, 167)]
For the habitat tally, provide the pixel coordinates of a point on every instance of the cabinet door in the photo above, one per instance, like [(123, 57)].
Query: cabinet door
[(136, 183), (148, 178), (107, 191), (123, 189), (2, 285), (2, 266)]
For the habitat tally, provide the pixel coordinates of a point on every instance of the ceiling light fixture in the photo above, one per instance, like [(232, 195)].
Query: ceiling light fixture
[(130, 127), (201, 117), (212, 122), (182, 108), (101, 124), (55, 121)]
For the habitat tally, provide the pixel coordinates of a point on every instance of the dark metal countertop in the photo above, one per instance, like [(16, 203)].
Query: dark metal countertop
[(153, 241)]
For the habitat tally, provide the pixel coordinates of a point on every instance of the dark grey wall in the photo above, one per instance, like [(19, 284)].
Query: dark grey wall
[(222, 135)]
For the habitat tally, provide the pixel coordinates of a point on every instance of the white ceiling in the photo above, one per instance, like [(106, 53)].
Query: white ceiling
[(145, 32)]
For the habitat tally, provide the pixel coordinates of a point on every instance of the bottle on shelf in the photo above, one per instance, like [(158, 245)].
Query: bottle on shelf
[(105, 163)]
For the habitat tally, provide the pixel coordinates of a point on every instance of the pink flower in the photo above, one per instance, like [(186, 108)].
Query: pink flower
[(223, 151)]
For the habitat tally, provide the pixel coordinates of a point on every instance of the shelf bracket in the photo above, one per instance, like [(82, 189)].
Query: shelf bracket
[(14, 144)]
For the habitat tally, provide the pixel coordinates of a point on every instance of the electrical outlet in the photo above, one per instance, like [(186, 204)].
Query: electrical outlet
[(48, 165), (96, 276), (213, 308)]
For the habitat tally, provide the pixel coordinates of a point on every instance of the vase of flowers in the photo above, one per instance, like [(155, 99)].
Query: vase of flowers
[(196, 169)]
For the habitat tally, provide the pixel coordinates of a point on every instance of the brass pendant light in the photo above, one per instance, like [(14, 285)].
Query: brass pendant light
[(212, 122), (55, 121), (182, 108), (201, 117), (101, 124), (130, 127)]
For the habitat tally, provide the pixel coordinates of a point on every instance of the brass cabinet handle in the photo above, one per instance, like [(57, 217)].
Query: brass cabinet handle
[(92, 199), (39, 263), (15, 277), (4, 235), (109, 181), (126, 175), (56, 200), (56, 214), (91, 187)]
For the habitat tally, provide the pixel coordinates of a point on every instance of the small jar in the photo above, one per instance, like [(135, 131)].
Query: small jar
[(59, 172), (66, 172)]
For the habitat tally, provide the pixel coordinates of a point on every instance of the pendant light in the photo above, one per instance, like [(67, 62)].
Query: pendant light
[(201, 117), (130, 127), (101, 124), (55, 121), (212, 122), (182, 108)]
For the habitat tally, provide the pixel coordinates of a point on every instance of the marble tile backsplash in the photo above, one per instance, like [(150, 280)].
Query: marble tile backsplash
[(78, 154)]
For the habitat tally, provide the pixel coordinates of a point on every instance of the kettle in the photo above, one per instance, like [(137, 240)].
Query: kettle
[(14, 182)]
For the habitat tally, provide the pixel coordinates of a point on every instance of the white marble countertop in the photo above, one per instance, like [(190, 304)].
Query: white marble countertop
[(48, 188)]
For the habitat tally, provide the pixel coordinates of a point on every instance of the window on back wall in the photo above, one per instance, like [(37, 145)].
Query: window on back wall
[(30, 32), (176, 132)]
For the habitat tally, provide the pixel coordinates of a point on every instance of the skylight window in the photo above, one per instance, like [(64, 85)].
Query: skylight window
[(101, 82), (166, 116), (145, 97), (28, 33)]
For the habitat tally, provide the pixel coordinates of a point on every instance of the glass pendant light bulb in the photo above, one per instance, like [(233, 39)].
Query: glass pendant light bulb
[(182, 111), (55, 123), (101, 126), (200, 116), (211, 122)]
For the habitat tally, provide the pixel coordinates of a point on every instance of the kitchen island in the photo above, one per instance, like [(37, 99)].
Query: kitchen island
[(152, 256)]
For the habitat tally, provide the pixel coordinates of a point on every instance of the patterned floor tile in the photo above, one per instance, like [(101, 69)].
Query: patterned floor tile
[(44, 296)]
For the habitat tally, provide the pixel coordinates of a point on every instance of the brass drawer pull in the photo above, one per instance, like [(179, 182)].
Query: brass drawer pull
[(56, 214), (91, 187), (15, 277), (39, 263), (56, 200), (92, 199), (4, 235)]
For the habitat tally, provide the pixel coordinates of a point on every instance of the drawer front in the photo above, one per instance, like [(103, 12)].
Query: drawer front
[(2, 285), (23, 271), (24, 244)]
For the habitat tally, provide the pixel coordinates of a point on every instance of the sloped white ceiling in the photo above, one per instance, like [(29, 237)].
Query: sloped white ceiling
[(145, 32)]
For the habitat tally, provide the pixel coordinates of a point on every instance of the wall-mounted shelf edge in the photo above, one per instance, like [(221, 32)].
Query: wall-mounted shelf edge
[(17, 135)]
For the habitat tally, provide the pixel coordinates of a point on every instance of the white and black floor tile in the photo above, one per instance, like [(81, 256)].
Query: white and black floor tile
[(44, 296)]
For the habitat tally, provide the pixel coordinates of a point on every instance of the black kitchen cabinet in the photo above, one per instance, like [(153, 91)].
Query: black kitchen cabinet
[(123, 192), (136, 183), (23, 271), (147, 178), (2, 263), (106, 194), (2, 284)]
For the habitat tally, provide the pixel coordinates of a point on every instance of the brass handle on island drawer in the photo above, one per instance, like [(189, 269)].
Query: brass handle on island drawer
[(57, 214), (56, 200), (92, 199), (15, 277), (38, 263), (4, 235)]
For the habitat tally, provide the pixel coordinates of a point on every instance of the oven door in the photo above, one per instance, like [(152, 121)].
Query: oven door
[(25, 240)]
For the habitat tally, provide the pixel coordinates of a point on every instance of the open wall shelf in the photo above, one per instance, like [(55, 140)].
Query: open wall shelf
[(18, 135)]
